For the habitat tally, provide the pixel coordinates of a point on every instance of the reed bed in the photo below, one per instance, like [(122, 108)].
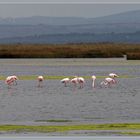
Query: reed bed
[(94, 50)]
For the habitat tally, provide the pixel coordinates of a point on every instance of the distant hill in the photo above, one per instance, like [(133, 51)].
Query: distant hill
[(121, 18), (36, 20), (38, 29), (126, 17)]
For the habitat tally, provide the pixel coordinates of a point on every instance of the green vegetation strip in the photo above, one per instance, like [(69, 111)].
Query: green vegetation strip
[(47, 77), (64, 128), (130, 133), (53, 120)]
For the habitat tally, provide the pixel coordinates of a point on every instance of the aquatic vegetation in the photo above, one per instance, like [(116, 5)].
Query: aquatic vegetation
[(54, 120), (64, 128), (130, 133)]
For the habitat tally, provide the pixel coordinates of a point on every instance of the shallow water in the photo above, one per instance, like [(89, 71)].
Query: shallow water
[(28, 103)]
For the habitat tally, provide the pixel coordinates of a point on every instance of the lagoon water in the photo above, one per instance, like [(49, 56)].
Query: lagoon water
[(28, 104)]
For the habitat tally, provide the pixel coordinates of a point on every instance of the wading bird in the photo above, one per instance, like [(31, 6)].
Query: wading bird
[(113, 76), (78, 80), (40, 81), (93, 80), (11, 80), (74, 80), (81, 81), (108, 82), (65, 81)]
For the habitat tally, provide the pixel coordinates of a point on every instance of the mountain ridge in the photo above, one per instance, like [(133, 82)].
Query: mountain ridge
[(48, 20), (103, 27)]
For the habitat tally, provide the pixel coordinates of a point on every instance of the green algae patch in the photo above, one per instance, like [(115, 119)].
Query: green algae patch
[(54, 121), (2, 77), (64, 128), (130, 133)]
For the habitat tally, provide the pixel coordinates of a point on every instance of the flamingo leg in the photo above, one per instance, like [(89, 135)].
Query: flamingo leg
[(15, 82), (109, 85), (39, 84), (80, 86)]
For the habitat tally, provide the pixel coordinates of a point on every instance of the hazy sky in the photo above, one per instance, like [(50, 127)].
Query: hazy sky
[(71, 1), (63, 9)]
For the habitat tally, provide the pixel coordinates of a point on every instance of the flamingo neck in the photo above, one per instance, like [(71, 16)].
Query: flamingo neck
[(93, 83)]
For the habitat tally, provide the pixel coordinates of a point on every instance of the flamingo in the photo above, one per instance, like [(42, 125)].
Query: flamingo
[(81, 81), (15, 78), (40, 80), (78, 80), (11, 80), (65, 81), (113, 76), (75, 80), (93, 80), (108, 81)]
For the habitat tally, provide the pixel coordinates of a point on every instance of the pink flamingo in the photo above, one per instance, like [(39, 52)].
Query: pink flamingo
[(11, 80), (78, 80), (65, 81), (40, 80), (81, 81), (108, 81), (113, 76), (74, 81), (15, 78), (93, 80)]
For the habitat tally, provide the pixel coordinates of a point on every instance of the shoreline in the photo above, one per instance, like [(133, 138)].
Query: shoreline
[(69, 62)]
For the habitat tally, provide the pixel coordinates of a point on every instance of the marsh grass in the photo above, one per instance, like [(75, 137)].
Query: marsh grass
[(133, 55), (65, 128), (81, 50)]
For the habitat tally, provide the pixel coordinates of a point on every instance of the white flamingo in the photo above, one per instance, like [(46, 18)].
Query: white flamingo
[(93, 80), (74, 80), (113, 76), (108, 81), (78, 80), (81, 81), (65, 81), (15, 78), (11, 80), (40, 80)]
